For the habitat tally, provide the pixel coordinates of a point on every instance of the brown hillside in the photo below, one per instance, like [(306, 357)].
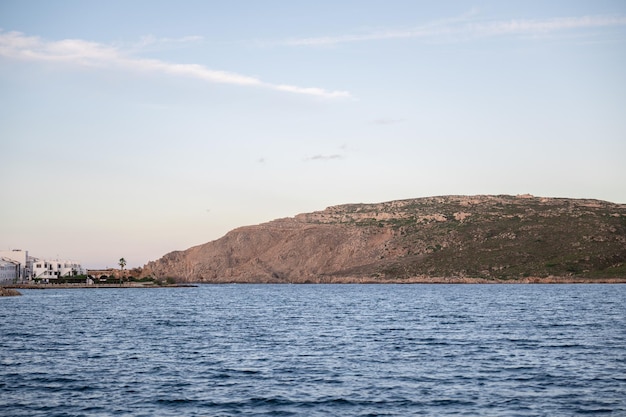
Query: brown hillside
[(448, 238)]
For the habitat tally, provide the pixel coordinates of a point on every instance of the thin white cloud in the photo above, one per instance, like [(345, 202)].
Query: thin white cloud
[(312, 91), (464, 28), (15, 45), (538, 27), (150, 40), (324, 157), (153, 43)]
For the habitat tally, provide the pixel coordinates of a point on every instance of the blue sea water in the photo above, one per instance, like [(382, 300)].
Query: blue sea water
[(315, 350)]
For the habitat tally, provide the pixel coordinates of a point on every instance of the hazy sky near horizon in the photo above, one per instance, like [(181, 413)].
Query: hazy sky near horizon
[(134, 128)]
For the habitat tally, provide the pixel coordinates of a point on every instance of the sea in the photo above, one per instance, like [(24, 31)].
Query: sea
[(315, 350)]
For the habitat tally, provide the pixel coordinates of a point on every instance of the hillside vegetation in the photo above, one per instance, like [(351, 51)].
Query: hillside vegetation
[(440, 239)]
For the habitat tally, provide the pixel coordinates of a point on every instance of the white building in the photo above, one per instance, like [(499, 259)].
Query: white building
[(16, 267), (9, 271), (47, 269), (21, 259)]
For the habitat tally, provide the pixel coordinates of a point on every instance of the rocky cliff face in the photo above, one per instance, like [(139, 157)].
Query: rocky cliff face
[(452, 237)]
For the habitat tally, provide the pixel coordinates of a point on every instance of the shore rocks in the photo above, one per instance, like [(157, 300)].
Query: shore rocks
[(7, 292)]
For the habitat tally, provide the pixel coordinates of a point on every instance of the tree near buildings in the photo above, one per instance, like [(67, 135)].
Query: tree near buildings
[(122, 264)]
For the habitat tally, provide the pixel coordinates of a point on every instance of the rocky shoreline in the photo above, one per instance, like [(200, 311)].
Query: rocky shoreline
[(8, 292), (11, 290), (431, 280)]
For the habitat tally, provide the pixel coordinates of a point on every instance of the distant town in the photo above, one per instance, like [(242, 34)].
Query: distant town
[(18, 267)]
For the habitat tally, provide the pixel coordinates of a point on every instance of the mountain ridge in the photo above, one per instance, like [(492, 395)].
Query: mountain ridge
[(481, 238)]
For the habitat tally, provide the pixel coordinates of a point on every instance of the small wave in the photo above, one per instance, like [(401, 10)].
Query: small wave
[(315, 352)]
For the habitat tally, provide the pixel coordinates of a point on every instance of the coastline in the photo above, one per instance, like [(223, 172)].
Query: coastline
[(342, 280), (95, 286)]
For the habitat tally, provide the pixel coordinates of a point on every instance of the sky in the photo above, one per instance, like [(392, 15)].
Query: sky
[(135, 128)]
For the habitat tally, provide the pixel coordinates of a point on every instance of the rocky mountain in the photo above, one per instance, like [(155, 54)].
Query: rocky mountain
[(434, 239)]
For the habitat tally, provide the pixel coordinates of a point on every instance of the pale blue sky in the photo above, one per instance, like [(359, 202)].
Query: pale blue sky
[(137, 128)]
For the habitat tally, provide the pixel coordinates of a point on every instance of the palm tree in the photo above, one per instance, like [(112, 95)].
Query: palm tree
[(122, 264)]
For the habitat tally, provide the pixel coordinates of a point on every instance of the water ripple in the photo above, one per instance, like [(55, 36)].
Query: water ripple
[(350, 350)]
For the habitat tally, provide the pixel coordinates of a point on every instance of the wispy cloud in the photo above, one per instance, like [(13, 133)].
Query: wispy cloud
[(466, 27), (153, 40), (16, 45), (152, 43), (320, 157)]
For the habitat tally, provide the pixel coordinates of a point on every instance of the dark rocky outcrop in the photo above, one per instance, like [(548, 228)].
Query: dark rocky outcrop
[(8, 292), (434, 239)]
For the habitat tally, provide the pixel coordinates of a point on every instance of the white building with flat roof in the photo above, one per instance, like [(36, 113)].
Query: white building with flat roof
[(17, 267), (52, 269), (9, 271), (21, 258)]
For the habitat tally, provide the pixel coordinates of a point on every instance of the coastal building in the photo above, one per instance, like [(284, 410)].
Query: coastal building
[(16, 266), (9, 271), (50, 269), (21, 261)]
